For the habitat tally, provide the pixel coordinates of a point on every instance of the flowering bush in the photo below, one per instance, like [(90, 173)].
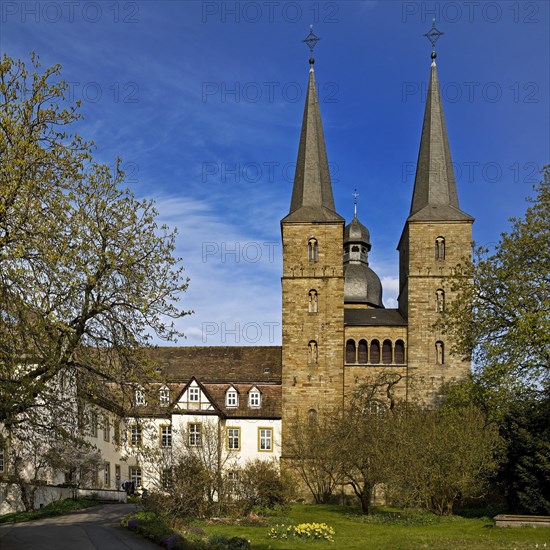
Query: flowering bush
[(307, 531)]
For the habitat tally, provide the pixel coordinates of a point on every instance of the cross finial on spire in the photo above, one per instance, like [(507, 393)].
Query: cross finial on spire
[(433, 36), (311, 41), (355, 195)]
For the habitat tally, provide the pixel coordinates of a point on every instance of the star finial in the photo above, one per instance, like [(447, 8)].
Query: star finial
[(433, 36), (311, 41), (355, 195)]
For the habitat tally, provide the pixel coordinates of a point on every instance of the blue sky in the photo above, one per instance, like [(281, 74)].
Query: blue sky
[(204, 101)]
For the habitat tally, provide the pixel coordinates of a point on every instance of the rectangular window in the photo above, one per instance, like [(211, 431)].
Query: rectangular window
[(140, 398), (107, 475), (135, 435), (231, 399), (106, 428), (164, 397), (93, 424), (2, 458), (233, 439), (117, 476), (265, 436), (254, 399), (135, 476), (166, 436), (194, 430), (194, 394), (116, 435)]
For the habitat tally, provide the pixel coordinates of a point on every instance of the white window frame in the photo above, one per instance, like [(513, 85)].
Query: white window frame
[(139, 398), (194, 434), (136, 435), (193, 394), (106, 428), (231, 398), (265, 440), (164, 396), (135, 475), (233, 438), (165, 436), (93, 424), (255, 398)]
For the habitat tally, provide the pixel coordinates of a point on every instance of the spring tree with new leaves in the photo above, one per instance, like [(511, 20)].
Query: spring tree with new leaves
[(87, 275)]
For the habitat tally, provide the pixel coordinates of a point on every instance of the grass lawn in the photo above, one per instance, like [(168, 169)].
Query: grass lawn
[(391, 530), (54, 509)]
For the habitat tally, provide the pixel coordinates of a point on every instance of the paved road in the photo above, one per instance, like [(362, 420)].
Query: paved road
[(91, 529)]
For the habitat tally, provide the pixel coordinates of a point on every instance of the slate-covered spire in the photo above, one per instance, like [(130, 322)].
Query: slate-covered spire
[(435, 196), (312, 198)]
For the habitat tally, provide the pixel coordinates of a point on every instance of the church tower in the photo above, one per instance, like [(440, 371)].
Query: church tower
[(313, 278), (437, 237)]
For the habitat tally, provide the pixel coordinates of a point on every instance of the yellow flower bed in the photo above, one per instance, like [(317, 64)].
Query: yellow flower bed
[(307, 531)]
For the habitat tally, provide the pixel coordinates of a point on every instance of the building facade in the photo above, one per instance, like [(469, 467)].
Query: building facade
[(336, 332)]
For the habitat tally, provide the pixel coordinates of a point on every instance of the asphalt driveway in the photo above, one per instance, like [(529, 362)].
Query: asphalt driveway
[(90, 529)]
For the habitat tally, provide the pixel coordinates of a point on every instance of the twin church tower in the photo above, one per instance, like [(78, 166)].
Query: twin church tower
[(336, 332)]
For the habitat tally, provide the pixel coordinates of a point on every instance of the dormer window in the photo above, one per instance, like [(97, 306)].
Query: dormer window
[(194, 394), (164, 397), (231, 398), (254, 398), (140, 398), (312, 250)]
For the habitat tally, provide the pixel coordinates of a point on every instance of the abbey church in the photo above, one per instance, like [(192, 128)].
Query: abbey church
[(336, 332)]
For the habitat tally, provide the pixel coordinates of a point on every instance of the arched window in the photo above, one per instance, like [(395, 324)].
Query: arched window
[(355, 248), (313, 352), (375, 352), (363, 352), (350, 351), (399, 353), (386, 352), (439, 352), (312, 250), (440, 248), (312, 301), (440, 300)]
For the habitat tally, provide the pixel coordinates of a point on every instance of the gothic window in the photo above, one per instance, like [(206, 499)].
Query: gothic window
[(312, 250), (350, 351), (313, 352), (440, 300), (355, 248), (312, 301), (399, 353), (363, 353), (440, 248), (386, 352), (375, 352), (439, 352)]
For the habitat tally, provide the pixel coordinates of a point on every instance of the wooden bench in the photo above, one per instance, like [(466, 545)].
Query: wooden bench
[(507, 520)]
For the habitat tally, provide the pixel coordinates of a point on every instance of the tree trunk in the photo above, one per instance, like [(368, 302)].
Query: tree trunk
[(366, 498)]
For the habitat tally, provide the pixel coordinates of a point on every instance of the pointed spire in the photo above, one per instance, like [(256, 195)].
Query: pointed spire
[(435, 196), (312, 198)]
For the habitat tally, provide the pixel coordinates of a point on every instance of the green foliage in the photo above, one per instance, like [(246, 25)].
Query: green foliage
[(501, 314), (358, 532), (57, 508), (86, 273), (526, 471)]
